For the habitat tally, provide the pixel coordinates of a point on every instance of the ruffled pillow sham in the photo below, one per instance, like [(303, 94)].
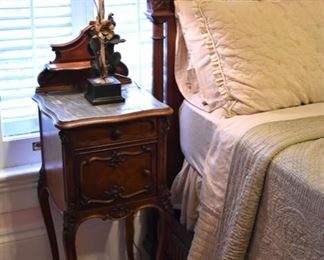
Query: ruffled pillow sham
[(264, 55)]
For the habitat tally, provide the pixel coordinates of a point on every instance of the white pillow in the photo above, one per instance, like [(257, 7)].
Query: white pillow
[(193, 68), (264, 55)]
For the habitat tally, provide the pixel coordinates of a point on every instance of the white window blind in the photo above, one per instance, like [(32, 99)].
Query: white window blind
[(28, 27), (134, 27), (26, 30)]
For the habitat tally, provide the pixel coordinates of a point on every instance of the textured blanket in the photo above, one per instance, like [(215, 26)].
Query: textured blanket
[(274, 206), (290, 221)]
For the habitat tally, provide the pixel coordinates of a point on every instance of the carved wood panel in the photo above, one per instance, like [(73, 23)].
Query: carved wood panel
[(117, 174)]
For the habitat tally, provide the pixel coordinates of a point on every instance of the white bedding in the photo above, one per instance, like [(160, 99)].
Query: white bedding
[(208, 141), (251, 56), (227, 134), (208, 138), (194, 144)]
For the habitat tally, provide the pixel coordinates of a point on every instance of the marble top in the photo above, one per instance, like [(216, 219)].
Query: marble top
[(72, 109)]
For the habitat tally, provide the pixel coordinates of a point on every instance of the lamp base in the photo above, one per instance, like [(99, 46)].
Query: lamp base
[(101, 91)]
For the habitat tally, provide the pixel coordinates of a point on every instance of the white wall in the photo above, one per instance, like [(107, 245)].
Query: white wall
[(22, 232)]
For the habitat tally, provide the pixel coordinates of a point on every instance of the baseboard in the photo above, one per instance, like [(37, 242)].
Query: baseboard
[(25, 244), (13, 233)]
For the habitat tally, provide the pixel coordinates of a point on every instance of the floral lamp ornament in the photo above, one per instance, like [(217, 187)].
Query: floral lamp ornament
[(108, 69)]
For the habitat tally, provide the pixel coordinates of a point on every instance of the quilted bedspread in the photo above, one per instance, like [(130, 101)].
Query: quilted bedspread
[(274, 205)]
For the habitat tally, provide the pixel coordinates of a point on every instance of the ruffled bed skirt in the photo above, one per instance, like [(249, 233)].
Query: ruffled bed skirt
[(185, 192)]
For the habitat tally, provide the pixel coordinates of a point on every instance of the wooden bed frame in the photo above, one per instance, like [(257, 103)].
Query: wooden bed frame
[(164, 87), (71, 68)]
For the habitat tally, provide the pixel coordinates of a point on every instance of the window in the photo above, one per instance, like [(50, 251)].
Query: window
[(27, 28), (134, 27)]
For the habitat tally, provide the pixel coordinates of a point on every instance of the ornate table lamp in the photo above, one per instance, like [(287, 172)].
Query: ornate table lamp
[(105, 87)]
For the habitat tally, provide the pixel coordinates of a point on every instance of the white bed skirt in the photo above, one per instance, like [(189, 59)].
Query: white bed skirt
[(185, 192)]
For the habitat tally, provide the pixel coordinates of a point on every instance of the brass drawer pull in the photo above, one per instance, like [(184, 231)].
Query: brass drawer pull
[(146, 173), (116, 134)]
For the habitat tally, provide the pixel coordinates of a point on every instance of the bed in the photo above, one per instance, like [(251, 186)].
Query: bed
[(245, 149)]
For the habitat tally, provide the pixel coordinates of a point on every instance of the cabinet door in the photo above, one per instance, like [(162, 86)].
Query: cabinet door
[(116, 174)]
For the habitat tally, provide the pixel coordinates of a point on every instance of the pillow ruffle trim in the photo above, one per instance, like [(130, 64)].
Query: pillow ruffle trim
[(218, 74)]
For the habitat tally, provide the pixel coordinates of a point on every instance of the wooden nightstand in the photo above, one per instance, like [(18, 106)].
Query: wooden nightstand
[(106, 161)]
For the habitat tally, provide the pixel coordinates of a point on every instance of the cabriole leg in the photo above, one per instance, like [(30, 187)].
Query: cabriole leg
[(130, 236), (69, 234), (43, 197)]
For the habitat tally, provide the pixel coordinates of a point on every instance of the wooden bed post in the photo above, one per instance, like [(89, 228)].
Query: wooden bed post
[(158, 11), (161, 14), (158, 40)]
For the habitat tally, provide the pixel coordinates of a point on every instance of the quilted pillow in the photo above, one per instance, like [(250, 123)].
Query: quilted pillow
[(264, 55)]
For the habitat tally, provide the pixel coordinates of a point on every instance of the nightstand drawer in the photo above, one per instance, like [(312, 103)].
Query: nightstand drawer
[(114, 133), (117, 175)]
